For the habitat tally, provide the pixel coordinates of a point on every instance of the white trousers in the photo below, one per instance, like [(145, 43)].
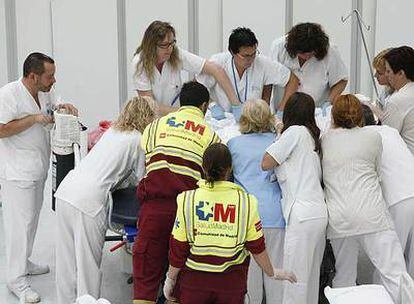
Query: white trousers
[(259, 285), (384, 250), (403, 216), (79, 243), (22, 201), (303, 253)]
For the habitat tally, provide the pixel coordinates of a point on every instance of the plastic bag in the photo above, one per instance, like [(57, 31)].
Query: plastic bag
[(96, 134), (363, 294)]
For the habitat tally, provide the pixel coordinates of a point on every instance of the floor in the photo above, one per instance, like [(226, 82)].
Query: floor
[(114, 288)]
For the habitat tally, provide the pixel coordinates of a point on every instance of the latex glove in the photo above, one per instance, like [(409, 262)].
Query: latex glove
[(237, 110), (324, 106), (169, 285), (281, 274), (279, 114), (217, 112)]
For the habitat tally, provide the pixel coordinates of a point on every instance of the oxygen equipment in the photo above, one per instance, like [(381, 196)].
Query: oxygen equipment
[(69, 146)]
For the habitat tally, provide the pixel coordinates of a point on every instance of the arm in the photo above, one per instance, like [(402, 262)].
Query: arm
[(160, 109), (268, 162), (19, 125), (262, 259), (71, 109), (221, 77), (267, 93), (290, 88), (337, 89)]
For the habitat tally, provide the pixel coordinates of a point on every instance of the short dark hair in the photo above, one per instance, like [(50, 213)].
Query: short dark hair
[(369, 119), (401, 58), (34, 63), (216, 162), (241, 36), (307, 37), (300, 111), (193, 94)]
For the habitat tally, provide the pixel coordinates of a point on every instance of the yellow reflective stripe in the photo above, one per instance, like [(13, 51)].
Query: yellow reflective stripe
[(241, 235), (183, 170), (216, 268), (175, 151), (218, 251), (189, 221), (151, 136)]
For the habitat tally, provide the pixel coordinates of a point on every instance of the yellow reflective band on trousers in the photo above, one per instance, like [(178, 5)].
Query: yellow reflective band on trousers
[(183, 170), (176, 152)]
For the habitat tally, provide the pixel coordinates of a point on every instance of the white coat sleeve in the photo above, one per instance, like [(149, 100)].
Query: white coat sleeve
[(207, 80), (141, 81), (281, 149), (191, 62), (337, 70), (275, 72), (392, 116), (8, 107)]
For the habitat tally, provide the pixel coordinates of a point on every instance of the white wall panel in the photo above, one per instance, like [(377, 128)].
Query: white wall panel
[(210, 27), (33, 26), (139, 14), (3, 50), (266, 18), (86, 54)]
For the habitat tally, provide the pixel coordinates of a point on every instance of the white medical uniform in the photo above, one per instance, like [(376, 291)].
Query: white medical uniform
[(316, 77), (250, 86), (166, 86), (299, 176), (81, 207), (358, 215), (397, 183), (399, 113), (24, 163)]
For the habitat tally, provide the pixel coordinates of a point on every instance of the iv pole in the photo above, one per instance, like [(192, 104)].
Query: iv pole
[(360, 25)]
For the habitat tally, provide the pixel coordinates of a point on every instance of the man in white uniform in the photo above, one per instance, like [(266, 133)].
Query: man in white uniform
[(397, 180), (249, 72), (399, 110), (305, 50), (25, 108)]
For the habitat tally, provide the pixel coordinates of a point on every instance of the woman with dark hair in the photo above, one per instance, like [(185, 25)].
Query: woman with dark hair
[(216, 227), (295, 158), (305, 50), (158, 63), (358, 216)]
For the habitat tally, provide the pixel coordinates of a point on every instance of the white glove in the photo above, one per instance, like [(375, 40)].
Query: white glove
[(281, 274), (169, 285)]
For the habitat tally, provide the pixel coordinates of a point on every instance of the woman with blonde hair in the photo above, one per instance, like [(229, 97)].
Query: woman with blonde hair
[(379, 65), (358, 215), (257, 125), (158, 63), (83, 197)]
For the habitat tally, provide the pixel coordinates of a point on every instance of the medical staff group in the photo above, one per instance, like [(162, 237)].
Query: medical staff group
[(276, 192)]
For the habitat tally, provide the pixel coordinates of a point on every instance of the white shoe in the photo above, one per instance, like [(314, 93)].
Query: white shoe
[(36, 269), (27, 295)]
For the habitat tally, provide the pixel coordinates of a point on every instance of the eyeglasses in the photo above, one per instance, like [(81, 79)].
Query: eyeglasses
[(167, 45), (248, 56)]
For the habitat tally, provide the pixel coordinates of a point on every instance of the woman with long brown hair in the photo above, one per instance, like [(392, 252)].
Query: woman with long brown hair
[(295, 159), (158, 63)]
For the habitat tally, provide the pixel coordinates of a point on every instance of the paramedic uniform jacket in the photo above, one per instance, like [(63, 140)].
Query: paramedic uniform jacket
[(214, 230), (174, 146)]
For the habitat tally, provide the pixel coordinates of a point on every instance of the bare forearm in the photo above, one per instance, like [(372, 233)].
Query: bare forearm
[(262, 259), (17, 126), (267, 92), (290, 88), (173, 272), (337, 90), (223, 80)]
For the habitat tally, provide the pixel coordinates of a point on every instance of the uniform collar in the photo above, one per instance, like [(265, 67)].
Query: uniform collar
[(191, 109), (202, 183)]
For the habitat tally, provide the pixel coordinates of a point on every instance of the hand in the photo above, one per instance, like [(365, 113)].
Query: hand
[(43, 119), (281, 274), (169, 285), (217, 112), (237, 111), (278, 125), (69, 108)]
